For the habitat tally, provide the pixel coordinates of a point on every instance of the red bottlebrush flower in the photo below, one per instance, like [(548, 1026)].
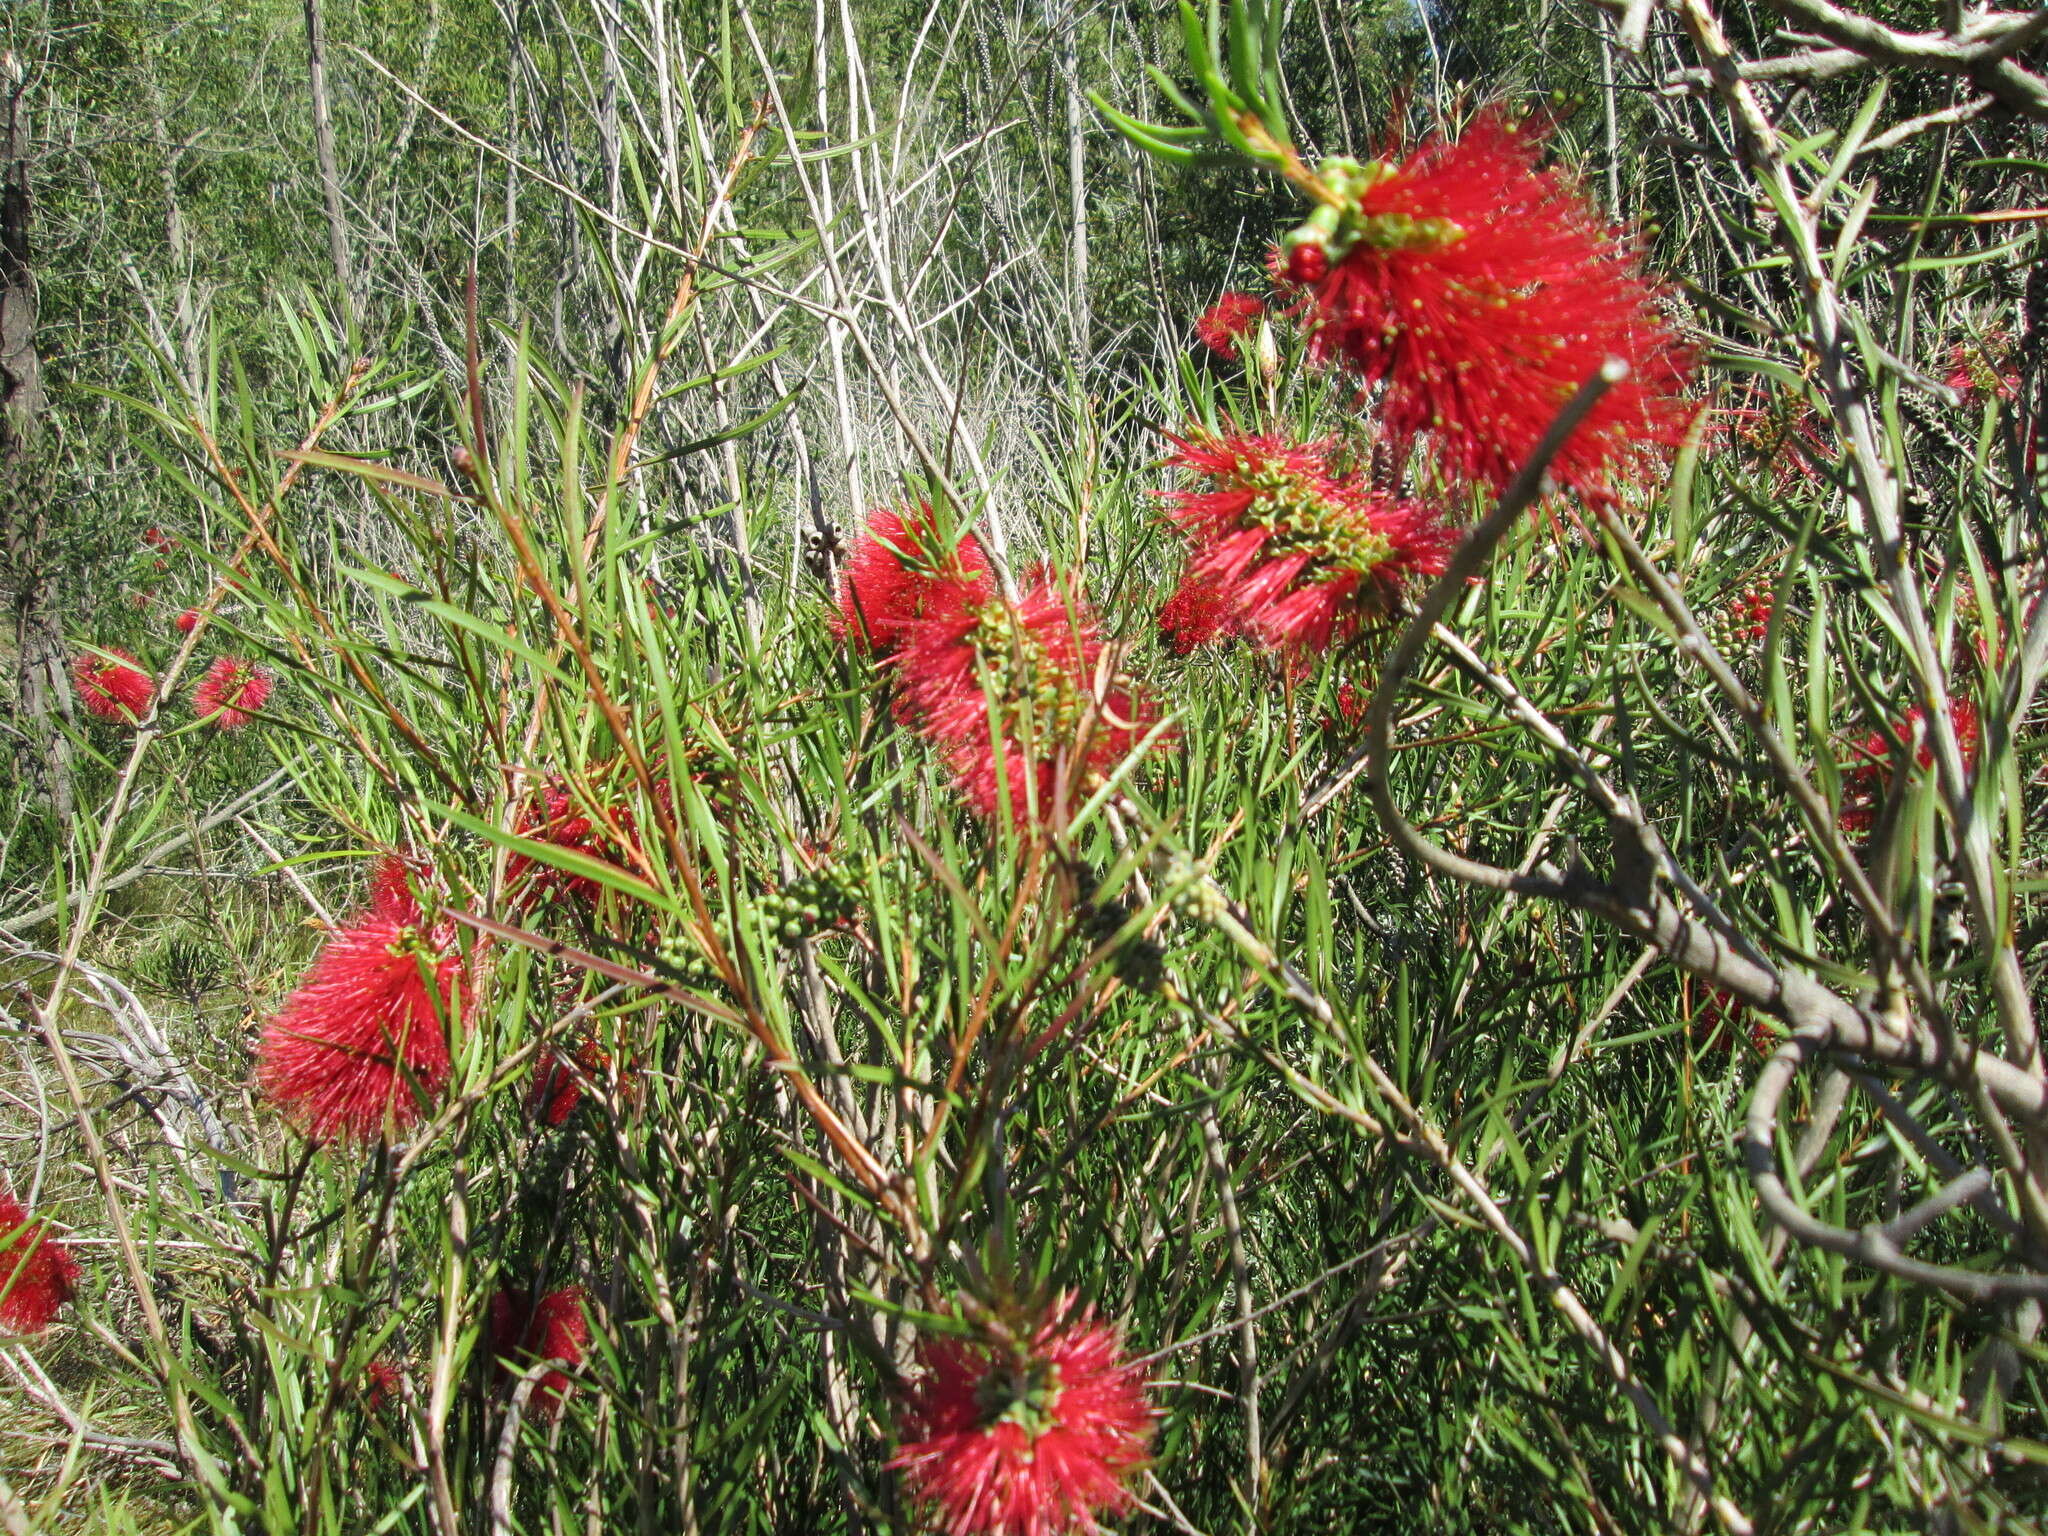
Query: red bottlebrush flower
[(892, 580), (553, 1328), (361, 1042), (37, 1273), (1300, 557), (187, 621), (1039, 662), (391, 889), (158, 540), (1351, 705), (1025, 1437), (556, 816), (382, 1386), (558, 1081), (232, 692), (1197, 613), (112, 686), (1482, 291), (1719, 1021), (1981, 371), (1867, 779), (1228, 319), (1781, 436)]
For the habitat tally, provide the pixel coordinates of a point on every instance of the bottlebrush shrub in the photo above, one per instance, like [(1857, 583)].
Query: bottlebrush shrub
[(553, 1328), (361, 1045), (1026, 1434), (232, 693), (1867, 779), (1482, 289), (1297, 556), (37, 1273), (1008, 692), (893, 580), (112, 686), (1231, 317)]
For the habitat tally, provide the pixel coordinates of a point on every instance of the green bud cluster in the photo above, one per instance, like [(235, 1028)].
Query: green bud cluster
[(688, 962), (824, 900), (1195, 897), (1334, 228)]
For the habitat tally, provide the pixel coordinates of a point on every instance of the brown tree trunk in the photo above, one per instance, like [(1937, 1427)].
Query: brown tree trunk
[(42, 690)]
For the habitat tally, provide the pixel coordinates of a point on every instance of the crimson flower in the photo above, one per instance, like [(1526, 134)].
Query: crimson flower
[(232, 693), (391, 888), (1009, 694), (555, 816), (1229, 318), (893, 580), (1720, 1021), (37, 1273), (361, 1044), (187, 621), (558, 1080), (1867, 779), (382, 1384), (1026, 1436), (1482, 290), (553, 1328), (1298, 557), (111, 685), (158, 540), (1197, 613), (1981, 371), (1778, 434)]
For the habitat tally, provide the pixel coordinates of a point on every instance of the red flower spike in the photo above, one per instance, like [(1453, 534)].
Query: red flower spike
[(232, 693), (892, 582), (1231, 317), (391, 889), (1002, 1438), (1198, 613), (187, 621), (1039, 659), (556, 816), (1867, 779), (332, 1056), (1981, 371), (383, 1384), (1720, 1018), (112, 686), (558, 1081), (1782, 437), (554, 1328), (37, 1273), (1300, 558), (1482, 291)]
